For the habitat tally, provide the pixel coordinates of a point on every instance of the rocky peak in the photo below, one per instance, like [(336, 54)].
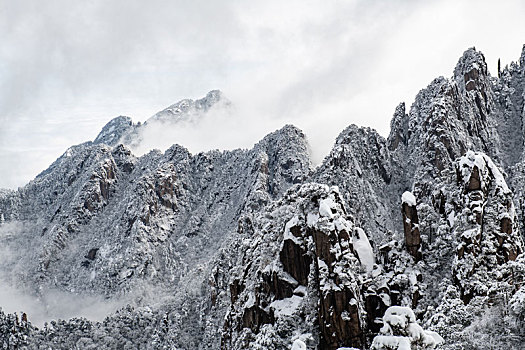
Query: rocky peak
[(288, 157), (211, 98), (122, 130), (488, 228), (449, 117), (187, 108), (176, 153), (113, 131), (361, 165), (398, 128), (286, 133), (362, 144), (471, 71)]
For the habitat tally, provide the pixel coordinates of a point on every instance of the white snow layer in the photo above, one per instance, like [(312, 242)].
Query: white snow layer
[(311, 219), (325, 207), (399, 316), (401, 330), (286, 306), (391, 342), (287, 234), (298, 345), (363, 249), (408, 198)]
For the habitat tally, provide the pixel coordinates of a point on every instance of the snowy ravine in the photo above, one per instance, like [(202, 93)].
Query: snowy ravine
[(409, 242)]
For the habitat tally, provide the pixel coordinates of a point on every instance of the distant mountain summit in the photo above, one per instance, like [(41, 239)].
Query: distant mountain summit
[(413, 241), (187, 108), (123, 130), (115, 130)]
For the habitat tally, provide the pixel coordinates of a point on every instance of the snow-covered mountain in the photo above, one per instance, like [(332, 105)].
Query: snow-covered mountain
[(122, 129), (415, 240)]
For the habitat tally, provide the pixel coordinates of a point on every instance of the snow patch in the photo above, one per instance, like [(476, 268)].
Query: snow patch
[(451, 218), (311, 219), (399, 316), (408, 198), (325, 207), (401, 331), (298, 345), (363, 249), (288, 234), (287, 306), (300, 290), (342, 225), (250, 302), (391, 342), (470, 234)]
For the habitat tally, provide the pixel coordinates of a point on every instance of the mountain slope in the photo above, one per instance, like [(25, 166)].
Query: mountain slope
[(255, 249)]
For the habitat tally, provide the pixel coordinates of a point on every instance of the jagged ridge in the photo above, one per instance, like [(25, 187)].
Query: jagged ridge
[(237, 244)]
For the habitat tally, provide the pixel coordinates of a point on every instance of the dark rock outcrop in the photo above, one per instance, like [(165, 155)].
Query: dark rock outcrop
[(316, 257), (411, 228)]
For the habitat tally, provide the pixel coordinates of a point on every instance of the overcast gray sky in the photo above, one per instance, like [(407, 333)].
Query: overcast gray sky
[(66, 68)]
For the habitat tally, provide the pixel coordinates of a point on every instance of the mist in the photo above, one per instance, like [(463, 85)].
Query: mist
[(41, 304), (55, 304)]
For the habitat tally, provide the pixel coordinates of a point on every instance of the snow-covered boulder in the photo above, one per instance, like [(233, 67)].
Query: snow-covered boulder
[(402, 332)]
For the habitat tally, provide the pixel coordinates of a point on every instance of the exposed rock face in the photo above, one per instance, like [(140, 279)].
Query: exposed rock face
[(339, 314), (294, 258), (316, 259), (489, 237), (411, 226)]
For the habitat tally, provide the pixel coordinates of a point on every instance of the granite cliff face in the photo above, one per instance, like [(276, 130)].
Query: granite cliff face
[(256, 249), (300, 273)]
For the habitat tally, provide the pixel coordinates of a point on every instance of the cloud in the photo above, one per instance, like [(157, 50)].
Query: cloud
[(68, 68), (54, 304), (224, 126)]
